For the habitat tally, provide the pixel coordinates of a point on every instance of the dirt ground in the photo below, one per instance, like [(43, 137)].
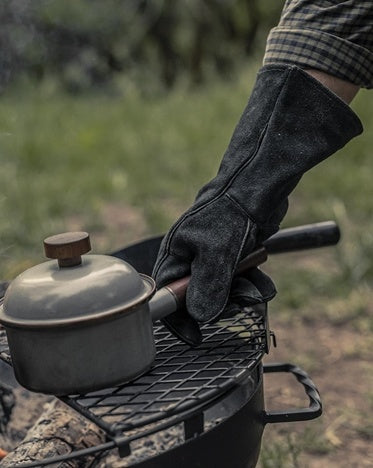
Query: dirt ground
[(339, 360)]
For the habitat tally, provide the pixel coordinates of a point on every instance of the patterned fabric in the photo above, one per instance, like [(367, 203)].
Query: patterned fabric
[(335, 36)]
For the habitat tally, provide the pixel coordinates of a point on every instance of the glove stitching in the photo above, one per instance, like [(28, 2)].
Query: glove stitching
[(160, 263), (220, 194), (227, 185), (241, 208)]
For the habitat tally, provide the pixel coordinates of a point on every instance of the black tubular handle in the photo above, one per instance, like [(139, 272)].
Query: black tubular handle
[(286, 240), (308, 236), (304, 414)]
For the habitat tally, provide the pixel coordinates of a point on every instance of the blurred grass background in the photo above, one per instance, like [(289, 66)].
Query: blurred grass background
[(124, 160), (65, 156)]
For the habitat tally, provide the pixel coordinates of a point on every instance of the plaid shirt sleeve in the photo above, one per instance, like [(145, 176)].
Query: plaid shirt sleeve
[(334, 36)]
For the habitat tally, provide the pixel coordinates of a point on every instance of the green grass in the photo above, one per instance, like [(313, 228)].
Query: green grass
[(286, 449), (64, 155), (67, 155)]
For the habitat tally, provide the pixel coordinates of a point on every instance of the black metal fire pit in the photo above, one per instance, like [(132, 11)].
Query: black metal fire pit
[(210, 398)]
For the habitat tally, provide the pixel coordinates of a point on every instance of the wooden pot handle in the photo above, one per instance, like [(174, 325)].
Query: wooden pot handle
[(257, 257)]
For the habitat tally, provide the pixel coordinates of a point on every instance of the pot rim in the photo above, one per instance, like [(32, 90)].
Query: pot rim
[(88, 319)]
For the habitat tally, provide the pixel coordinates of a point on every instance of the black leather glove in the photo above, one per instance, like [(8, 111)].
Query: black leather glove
[(290, 124)]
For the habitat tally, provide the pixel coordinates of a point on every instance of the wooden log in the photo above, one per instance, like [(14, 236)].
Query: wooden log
[(58, 431), (7, 402)]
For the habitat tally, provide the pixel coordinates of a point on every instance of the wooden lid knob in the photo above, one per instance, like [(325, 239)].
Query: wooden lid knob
[(67, 247)]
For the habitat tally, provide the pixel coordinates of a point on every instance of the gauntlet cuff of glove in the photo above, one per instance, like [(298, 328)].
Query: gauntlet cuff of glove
[(291, 123)]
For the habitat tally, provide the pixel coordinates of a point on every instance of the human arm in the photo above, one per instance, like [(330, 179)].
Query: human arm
[(293, 120)]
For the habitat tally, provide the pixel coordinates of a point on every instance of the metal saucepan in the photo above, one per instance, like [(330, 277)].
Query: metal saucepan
[(80, 325)]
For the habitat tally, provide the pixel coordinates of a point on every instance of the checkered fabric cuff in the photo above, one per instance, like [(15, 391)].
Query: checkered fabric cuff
[(310, 48)]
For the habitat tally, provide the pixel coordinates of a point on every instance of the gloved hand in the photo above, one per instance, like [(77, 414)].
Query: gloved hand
[(290, 124), (247, 289)]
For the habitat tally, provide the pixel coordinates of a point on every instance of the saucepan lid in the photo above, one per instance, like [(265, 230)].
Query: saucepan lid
[(75, 288)]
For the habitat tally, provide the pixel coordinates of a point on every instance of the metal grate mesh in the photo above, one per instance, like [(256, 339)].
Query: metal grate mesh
[(181, 377)]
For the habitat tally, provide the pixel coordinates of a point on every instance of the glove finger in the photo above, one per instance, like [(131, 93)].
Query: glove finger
[(162, 257), (170, 269), (179, 323), (244, 291), (254, 287), (262, 282), (184, 327), (209, 287), (230, 311)]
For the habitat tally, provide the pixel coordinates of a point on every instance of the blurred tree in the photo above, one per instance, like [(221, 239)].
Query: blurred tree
[(85, 42)]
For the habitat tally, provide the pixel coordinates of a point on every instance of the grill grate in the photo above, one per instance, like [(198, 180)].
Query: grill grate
[(181, 379)]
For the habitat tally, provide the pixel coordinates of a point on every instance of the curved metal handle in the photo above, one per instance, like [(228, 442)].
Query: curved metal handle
[(304, 414)]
